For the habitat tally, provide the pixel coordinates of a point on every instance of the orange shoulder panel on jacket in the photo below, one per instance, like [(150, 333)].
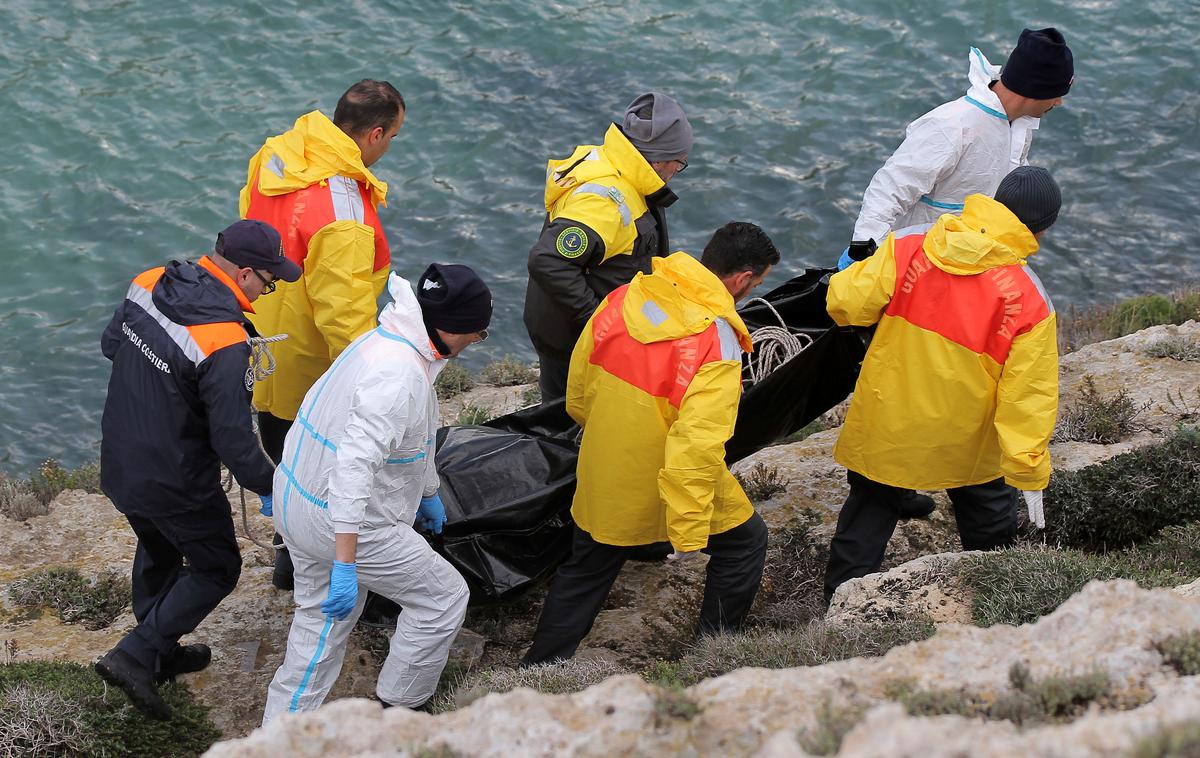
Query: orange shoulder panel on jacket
[(212, 337), (660, 369), (147, 279)]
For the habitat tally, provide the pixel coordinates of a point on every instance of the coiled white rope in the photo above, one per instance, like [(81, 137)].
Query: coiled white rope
[(773, 346), (262, 363)]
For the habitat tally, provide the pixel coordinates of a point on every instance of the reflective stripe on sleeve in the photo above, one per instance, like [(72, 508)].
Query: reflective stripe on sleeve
[(612, 193)]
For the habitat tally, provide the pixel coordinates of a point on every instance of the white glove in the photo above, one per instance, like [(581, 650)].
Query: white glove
[(685, 558), (1033, 501)]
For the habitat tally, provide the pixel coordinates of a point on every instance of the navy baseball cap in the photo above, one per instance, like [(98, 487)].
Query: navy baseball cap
[(255, 244)]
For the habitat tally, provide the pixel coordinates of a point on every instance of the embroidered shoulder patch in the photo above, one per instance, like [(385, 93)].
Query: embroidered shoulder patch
[(572, 242)]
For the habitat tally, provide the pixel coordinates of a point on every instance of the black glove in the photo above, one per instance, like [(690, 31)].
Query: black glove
[(860, 251)]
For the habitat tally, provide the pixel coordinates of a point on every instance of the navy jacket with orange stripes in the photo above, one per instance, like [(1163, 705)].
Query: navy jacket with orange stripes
[(178, 399)]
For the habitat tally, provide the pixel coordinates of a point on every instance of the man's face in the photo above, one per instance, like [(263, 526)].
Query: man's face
[(459, 342), (377, 141), (255, 283), (667, 170), (1039, 108)]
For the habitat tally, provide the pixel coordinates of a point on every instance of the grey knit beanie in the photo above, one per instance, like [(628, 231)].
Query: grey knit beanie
[(657, 127), (1032, 195)]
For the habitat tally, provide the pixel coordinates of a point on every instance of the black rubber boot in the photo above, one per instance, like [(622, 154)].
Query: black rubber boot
[(121, 670), (283, 577), (183, 659), (915, 505)]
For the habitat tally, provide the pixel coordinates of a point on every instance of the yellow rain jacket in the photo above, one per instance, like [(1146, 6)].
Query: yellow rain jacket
[(655, 382), (311, 185), (605, 220), (960, 383)]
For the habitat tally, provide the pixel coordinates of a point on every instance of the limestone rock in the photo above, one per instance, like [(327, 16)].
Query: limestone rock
[(922, 587), (1111, 625), (1191, 589)]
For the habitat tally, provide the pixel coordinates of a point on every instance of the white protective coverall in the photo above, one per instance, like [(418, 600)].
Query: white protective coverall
[(957, 149), (359, 459)]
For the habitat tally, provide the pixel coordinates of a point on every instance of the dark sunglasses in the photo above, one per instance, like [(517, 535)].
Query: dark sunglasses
[(268, 284), (483, 334)]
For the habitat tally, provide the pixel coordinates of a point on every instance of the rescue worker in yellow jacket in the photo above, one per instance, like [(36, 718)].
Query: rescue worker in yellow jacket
[(959, 387), (655, 382), (314, 184), (605, 219)]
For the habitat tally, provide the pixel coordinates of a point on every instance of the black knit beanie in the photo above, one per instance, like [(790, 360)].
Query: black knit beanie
[(1040, 67), (1032, 195), (454, 299)]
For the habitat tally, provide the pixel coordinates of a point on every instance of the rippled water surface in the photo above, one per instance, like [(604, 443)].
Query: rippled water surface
[(127, 126)]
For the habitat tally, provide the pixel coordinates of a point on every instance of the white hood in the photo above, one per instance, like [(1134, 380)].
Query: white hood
[(981, 74), (402, 316)]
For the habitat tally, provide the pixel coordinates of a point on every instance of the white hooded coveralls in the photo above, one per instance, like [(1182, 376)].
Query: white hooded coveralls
[(957, 149), (359, 459)]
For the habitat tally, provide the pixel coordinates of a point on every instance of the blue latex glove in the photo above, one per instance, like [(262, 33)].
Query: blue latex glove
[(845, 261), (266, 505), (343, 590), (431, 515)]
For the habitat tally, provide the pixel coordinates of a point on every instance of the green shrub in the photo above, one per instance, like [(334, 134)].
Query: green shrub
[(1145, 311), (1181, 740), (532, 395), (1077, 327), (1028, 701), (17, 502), (89, 718), (95, 603), (811, 645), (762, 482), (35, 721), (1175, 348), (1182, 651), (674, 703), (22, 499), (1021, 585), (1095, 418), (473, 414), (51, 479), (791, 594), (454, 379), (1128, 498), (508, 372)]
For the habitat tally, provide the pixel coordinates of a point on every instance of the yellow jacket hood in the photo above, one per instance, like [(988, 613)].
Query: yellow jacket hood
[(313, 150), (617, 157), (678, 299), (987, 235)]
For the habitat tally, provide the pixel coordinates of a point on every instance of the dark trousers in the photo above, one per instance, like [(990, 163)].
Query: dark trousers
[(552, 375), (273, 431), (986, 515), (581, 585), (169, 598)]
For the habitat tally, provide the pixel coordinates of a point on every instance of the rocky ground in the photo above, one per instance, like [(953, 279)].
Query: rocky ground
[(1113, 625), (780, 712)]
